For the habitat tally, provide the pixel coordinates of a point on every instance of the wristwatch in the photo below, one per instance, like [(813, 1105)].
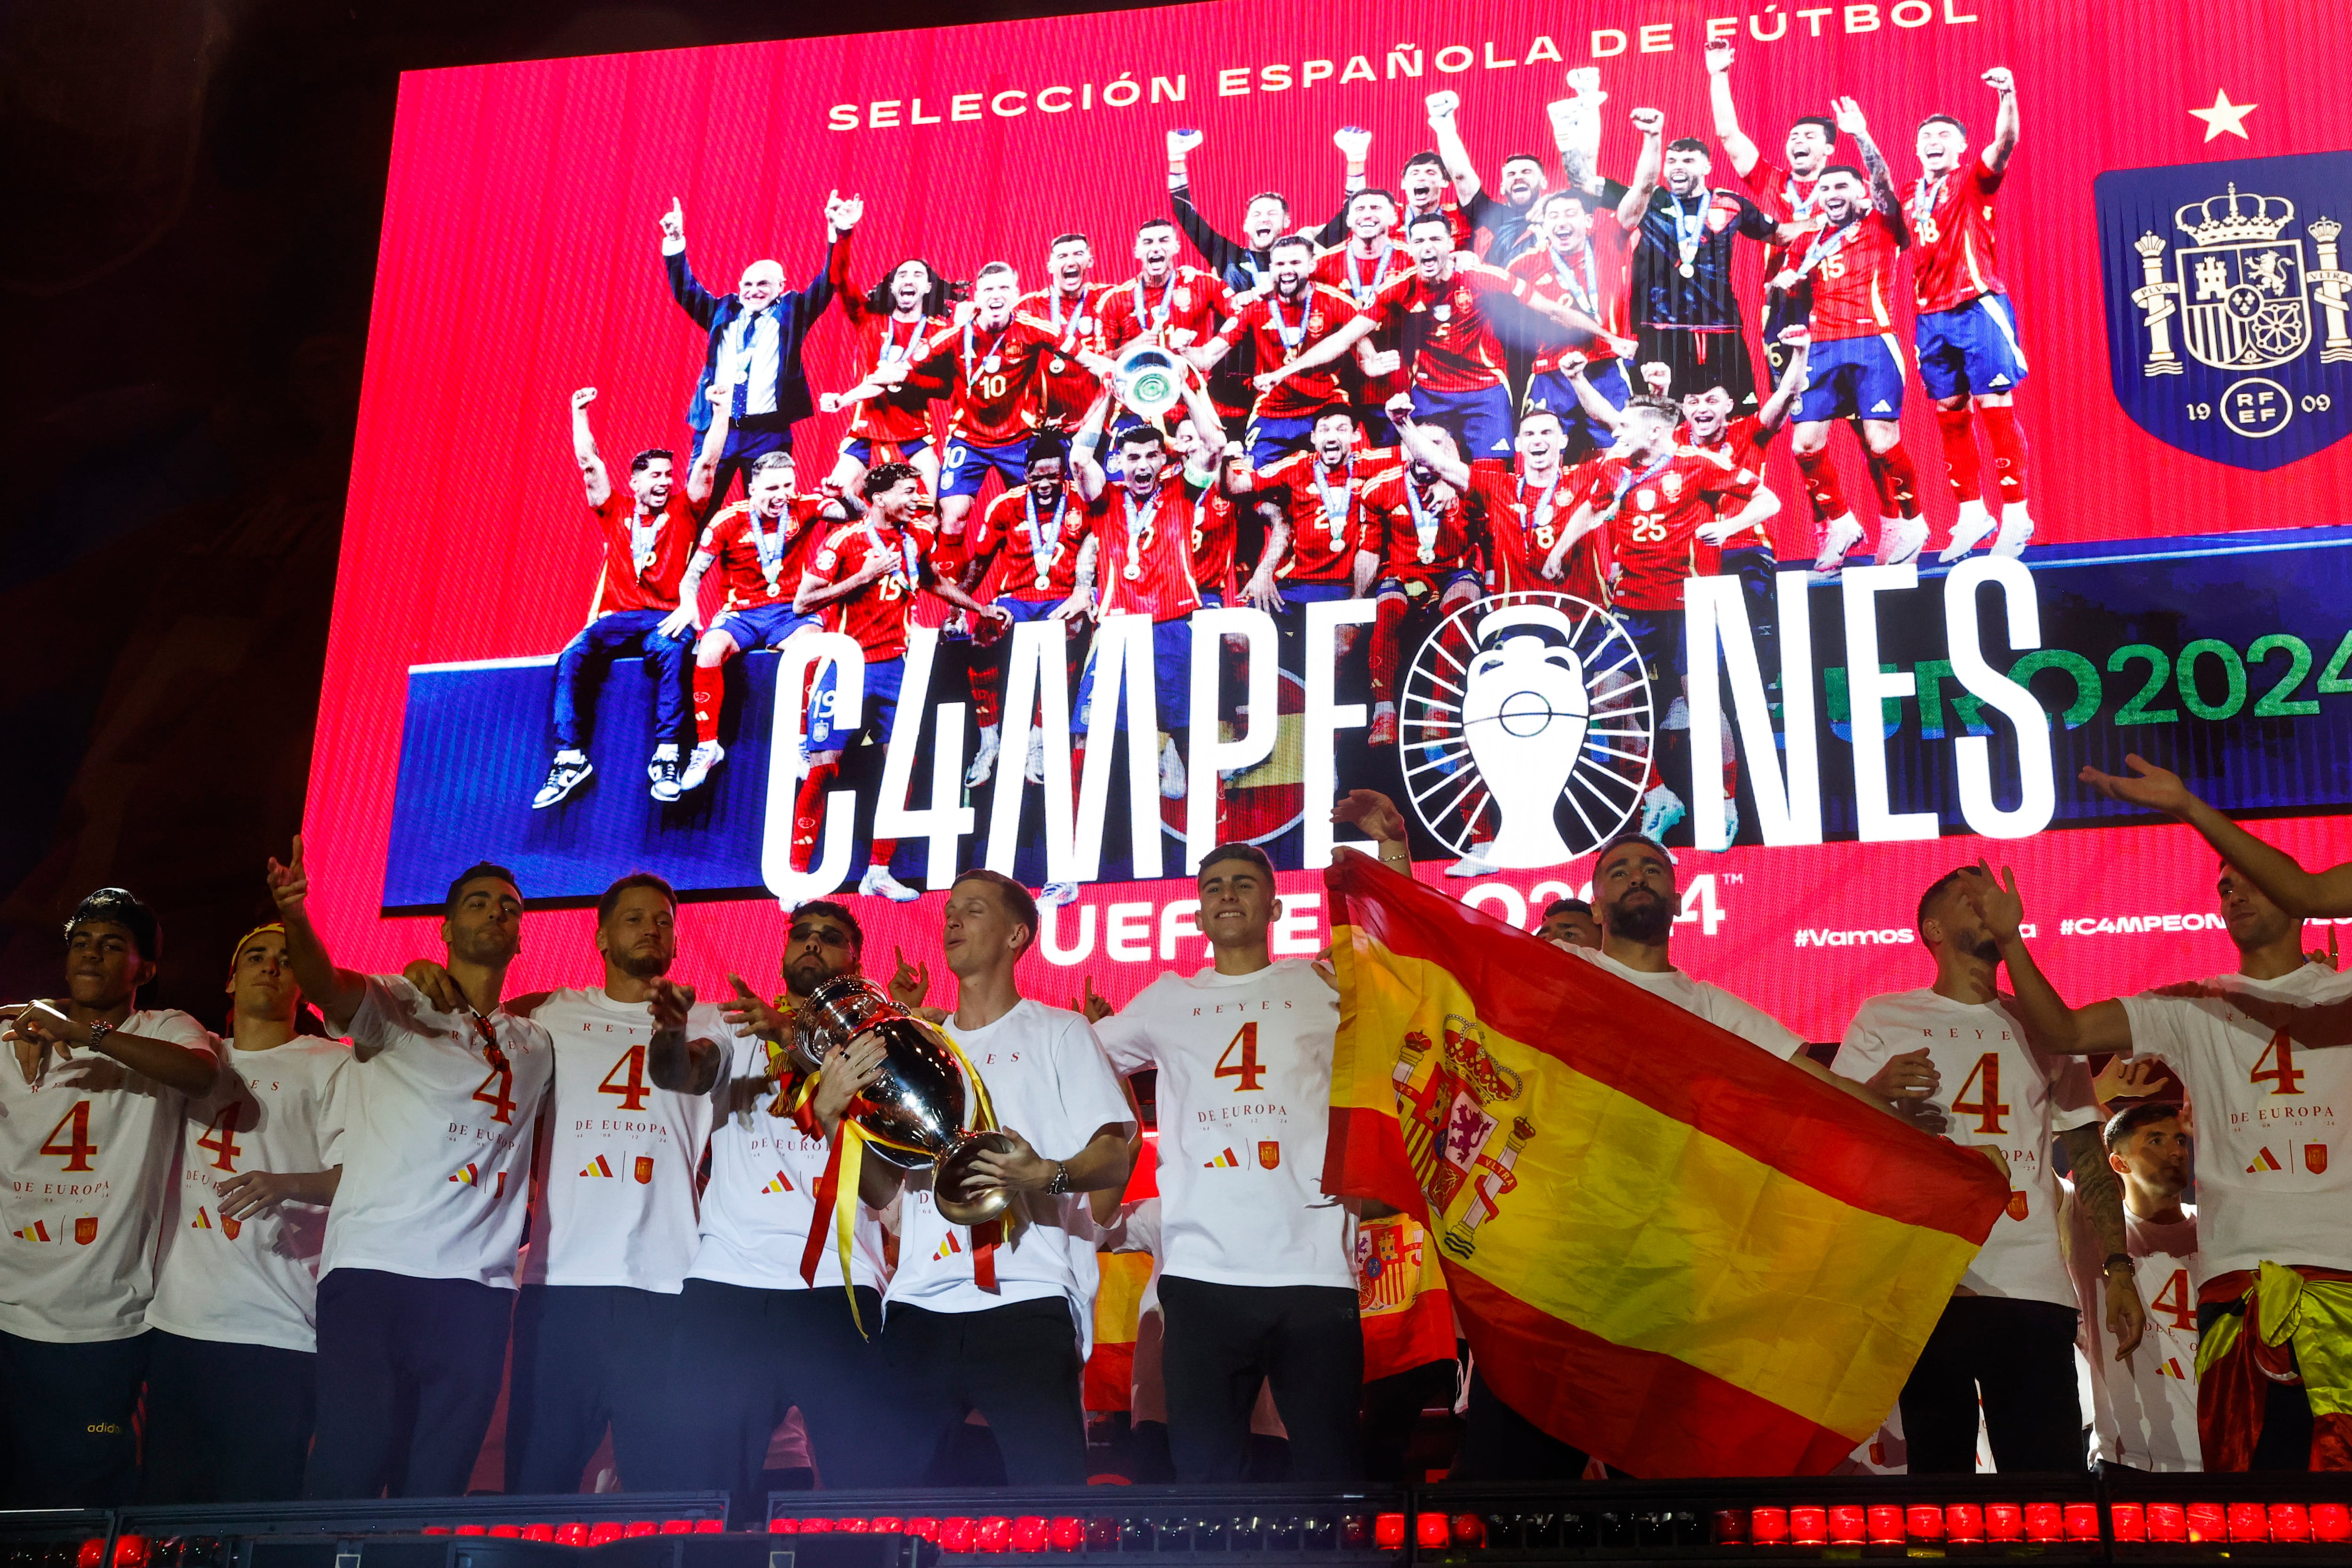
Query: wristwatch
[(1060, 1186), (98, 1033), (2116, 1261)]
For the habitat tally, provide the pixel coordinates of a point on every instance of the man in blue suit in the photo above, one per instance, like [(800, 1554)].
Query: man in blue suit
[(753, 356)]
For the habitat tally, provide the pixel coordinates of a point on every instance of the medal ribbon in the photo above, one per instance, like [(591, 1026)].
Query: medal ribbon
[(1292, 337), (1628, 479), (1425, 522), (1582, 292), (1827, 244), (1362, 290), (1689, 230), (1340, 504), (1925, 198), (1037, 540), (1149, 319)]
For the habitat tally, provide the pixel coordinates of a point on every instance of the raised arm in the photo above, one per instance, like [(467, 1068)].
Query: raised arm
[(1882, 196), (1085, 469), (336, 993), (1576, 129), (1353, 143), (1726, 115), (1588, 396), (595, 483), (1451, 150), (1220, 252), (1651, 124), (2053, 1026), (2306, 895), (2004, 124), (692, 298), (1783, 401), (1443, 460)]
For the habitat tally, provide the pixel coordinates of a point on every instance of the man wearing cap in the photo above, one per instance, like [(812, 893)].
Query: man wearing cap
[(89, 1107)]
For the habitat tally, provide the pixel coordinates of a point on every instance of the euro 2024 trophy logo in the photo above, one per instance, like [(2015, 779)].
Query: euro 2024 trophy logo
[(2229, 310), (1527, 728)]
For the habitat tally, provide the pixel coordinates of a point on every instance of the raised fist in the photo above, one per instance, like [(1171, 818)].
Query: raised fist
[(1354, 140), (583, 397), (2000, 80), (1443, 105), (1182, 141), (1585, 82), (1649, 122), (1719, 56)]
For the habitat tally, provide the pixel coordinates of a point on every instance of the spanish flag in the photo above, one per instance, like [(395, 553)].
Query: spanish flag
[(1668, 1248)]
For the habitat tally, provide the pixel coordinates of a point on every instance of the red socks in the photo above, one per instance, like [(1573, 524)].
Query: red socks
[(1898, 482), (1821, 487), (2008, 453), (1960, 436), (1388, 633), (808, 812), (710, 690)]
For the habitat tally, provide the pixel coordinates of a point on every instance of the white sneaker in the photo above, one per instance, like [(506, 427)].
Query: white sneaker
[(1473, 864), (1172, 771), (877, 882), (1661, 810), (1839, 538), (1900, 540), (1054, 894), (566, 773), (1034, 769), (1730, 828), (707, 754), (1968, 531), (983, 762), (2016, 532), (661, 754), (663, 771)]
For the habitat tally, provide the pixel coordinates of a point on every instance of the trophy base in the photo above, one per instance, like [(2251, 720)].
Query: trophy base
[(972, 1205)]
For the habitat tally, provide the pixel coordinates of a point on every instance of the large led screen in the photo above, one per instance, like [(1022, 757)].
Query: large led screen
[(2055, 474)]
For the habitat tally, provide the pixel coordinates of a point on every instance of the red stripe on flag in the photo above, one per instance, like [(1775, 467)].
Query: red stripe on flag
[(1649, 1414), (1110, 1377), (1611, 1030)]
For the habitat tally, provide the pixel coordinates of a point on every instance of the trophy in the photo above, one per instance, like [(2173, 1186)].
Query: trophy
[(913, 1115), (1149, 379)]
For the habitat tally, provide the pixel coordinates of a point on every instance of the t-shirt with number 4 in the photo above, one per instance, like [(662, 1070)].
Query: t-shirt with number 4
[(2144, 1409), (253, 1281), (433, 1138), (2273, 1173), (1244, 1095), (1998, 1090), (614, 1201), (86, 1154)]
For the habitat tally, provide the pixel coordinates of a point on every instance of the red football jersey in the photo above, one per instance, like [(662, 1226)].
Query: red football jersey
[(761, 566), (1186, 309), (993, 387), (877, 613), (1853, 274), (1524, 522), (1951, 236), (1216, 536), (1154, 542), (1654, 513), (1596, 280), (1360, 278), (1743, 441), (1029, 544), (902, 413), (1418, 539), (1328, 523), (1457, 347), (1281, 330), (1464, 236), (644, 556), (1785, 199), (1068, 388)]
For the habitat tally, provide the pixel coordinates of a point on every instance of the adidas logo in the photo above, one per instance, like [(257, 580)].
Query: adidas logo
[(1881, 407), (2265, 1161), (471, 1175), (2001, 380), (599, 1166), (203, 1221), (36, 1232), (1224, 1162), (949, 1246), (780, 1182)]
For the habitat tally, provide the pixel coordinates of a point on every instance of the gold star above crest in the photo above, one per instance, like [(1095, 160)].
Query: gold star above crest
[(2225, 116)]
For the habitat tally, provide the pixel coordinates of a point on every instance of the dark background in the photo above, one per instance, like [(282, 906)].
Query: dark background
[(193, 192)]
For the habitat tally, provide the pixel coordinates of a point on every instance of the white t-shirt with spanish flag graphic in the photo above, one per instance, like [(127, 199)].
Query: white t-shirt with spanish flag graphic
[(2274, 1165), (615, 1201), (1244, 1098), (761, 1198), (433, 1139), (87, 1158), (255, 1281), (1996, 1089)]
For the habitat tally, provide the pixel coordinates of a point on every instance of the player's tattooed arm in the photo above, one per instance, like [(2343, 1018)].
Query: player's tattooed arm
[(2004, 125), (1451, 148), (1651, 124), (688, 616), (673, 1061), (595, 484), (2049, 1024), (2102, 1198), (1735, 141), (1882, 196)]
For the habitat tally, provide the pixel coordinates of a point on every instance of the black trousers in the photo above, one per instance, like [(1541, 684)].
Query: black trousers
[(2285, 1440), (226, 1422), (70, 1441), (1499, 1444), (1017, 1365), (1392, 1407), (2017, 1356), (586, 1356), (742, 1359), (408, 1377), (1223, 1341), (1700, 360)]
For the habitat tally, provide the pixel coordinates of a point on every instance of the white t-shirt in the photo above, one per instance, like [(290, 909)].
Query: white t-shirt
[(2274, 1168), (1713, 1003), (433, 1140), (2145, 1410), (616, 1202), (1244, 1095), (762, 1194), (255, 1281), (1996, 1089), (87, 1156), (1049, 1080)]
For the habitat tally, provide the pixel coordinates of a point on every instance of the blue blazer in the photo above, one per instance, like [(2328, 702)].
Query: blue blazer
[(796, 313)]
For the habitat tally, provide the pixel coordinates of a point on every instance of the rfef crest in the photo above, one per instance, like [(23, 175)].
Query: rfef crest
[(2229, 308)]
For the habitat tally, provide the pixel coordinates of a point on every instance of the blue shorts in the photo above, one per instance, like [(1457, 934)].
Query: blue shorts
[(1657, 636), (1295, 595), (1852, 378), (879, 707), (1271, 440), (1172, 678), (860, 451), (1552, 392), (968, 463), (1024, 610), (1480, 421), (764, 626), (1971, 348), (1398, 586)]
